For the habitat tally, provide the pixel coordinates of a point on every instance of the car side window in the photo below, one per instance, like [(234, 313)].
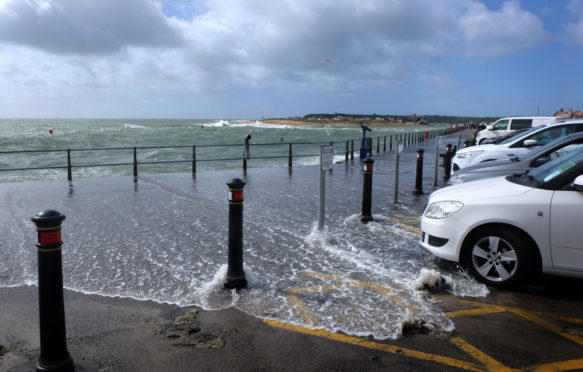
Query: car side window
[(501, 125), (520, 124), (546, 136)]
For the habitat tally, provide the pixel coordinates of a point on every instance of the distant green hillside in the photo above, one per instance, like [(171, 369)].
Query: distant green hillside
[(405, 118)]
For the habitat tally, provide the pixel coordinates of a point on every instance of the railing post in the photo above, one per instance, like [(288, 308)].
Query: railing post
[(53, 340), (289, 160), (390, 142), (135, 165), (235, 274), (346, 153), (352, 150), (378, 144), (69, 173), (385, 144), (419, 173), (366, 215), (194, 159)]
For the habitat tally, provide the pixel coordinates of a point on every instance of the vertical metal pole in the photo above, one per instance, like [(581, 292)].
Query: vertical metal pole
[(135, 165), (385, 144), (352, 150), (390, 142), (346, 153), (396, 185), (321, 202), (194, 159), (235, 274), (53, 340), (378, 144), (69, 173), (436, 160), (289, 160)]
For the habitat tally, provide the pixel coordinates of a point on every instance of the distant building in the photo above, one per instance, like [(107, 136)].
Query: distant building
[(569, 114)]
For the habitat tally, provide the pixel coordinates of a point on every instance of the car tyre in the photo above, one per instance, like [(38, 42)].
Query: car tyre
[(498, 256)]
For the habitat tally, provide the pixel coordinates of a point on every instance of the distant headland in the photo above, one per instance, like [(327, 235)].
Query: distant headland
[(375, 119)]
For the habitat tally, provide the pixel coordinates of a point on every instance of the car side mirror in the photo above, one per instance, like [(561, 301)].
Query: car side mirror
[(530, 142), (539, 161), (577, 185)]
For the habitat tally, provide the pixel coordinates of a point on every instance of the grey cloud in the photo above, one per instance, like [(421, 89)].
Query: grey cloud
[(85, 26)]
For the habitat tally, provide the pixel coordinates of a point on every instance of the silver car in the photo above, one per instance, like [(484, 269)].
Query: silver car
[(533, 159)]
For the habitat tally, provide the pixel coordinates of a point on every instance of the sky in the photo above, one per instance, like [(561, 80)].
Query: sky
[(248, 59)]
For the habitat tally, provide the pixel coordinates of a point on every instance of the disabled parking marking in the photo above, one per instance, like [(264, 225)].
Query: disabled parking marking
[(534, 317)]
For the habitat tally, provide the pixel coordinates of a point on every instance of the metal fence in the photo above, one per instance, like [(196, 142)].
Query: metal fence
[(137, 156)]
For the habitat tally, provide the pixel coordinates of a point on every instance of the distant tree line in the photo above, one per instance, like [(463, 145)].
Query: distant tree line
[(404, 118)]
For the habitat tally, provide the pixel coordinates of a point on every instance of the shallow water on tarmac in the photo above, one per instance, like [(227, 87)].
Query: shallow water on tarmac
[(165, 239)]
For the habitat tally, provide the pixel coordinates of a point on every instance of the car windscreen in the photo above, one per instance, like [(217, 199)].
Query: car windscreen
[(549, 171), (520, 134)]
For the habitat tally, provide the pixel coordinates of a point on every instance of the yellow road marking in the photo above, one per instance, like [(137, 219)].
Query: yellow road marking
[(490, 363), (545, 324), (301, 309), (566, 365), (377, 346), (354, 283), (408, 218)]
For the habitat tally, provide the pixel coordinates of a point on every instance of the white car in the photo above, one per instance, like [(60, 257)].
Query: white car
[(515, 146), (507, 125), (506, 228)]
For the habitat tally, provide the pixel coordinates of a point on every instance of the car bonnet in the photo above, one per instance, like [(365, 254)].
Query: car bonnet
[(489, 188)]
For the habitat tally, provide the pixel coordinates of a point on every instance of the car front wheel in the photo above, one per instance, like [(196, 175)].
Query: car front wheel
[(498, 257)]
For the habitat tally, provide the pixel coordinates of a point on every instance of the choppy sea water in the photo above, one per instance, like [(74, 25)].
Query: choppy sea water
[(268, 145), (165, 239)]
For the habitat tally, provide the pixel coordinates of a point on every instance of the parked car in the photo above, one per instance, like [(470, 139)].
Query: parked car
[(506, 125), (555, 149), (506, 228), (503, 137), (515, 146)]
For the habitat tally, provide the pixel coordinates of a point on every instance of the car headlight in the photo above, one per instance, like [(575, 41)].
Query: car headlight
[(469, 154), (442, 209)]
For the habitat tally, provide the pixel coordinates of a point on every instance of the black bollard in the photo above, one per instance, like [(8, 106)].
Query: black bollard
[(419, 173), (235, 274), (447, 162), (366, 215), (53, 340)]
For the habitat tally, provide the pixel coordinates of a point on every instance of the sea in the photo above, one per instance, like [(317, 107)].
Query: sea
[(164, 238)]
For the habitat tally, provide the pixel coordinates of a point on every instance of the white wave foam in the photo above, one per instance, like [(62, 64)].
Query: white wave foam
[(134, 126)]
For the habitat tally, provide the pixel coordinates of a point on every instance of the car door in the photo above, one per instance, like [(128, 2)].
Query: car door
[(566, 233)]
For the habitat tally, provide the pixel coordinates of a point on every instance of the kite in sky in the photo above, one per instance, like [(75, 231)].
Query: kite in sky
[(326, 60)]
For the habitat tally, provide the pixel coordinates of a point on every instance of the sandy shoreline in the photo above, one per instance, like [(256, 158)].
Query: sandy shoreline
[(294, 122)]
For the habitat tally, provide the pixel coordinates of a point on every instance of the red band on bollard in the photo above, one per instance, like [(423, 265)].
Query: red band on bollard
[(236, 195), (49, 237)]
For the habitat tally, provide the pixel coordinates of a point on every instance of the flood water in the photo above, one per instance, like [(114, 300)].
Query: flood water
[(165, 239)]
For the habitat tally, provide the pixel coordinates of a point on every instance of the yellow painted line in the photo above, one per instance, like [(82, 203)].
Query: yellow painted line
[(377, 346), (481, 310), (300, 307), (316, 288), (535, 317), (490, 363), (408, 218), (551, 327), (354, 283), (567, 365)]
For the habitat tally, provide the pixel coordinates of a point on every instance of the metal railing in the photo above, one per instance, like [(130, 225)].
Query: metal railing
[(306, 149)]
